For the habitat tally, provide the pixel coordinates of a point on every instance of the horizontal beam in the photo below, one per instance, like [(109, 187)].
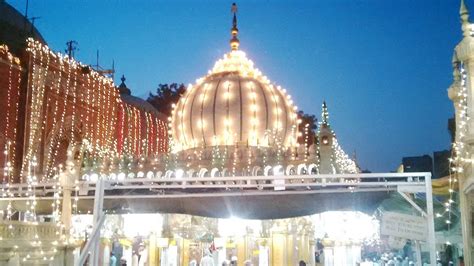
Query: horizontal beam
[(343, 187), (244, 178), (215, 194), (413, 203)]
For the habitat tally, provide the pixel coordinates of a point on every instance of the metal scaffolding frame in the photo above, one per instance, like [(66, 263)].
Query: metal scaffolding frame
[(240, 186)]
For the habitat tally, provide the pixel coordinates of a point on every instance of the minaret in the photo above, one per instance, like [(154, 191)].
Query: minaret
[(234, 42), (324, 115), (464, 13), (325, 141), (461, 92), (464, 58)]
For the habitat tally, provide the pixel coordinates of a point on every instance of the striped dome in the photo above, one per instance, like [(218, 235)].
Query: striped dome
[(233, 105)]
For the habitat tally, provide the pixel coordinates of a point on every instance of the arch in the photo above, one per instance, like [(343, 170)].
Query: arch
[(312, 167), (121, 176), (225, 172), (203, 172), (278, 170), (256, 170), (179, 173), (190, 172), (94, 177), (301, 168), (140, 174), (266, 170), (150, 175), (169, 174), (214, 171), (290, 169)]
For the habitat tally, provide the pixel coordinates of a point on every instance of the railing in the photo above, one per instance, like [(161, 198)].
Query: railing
[(162, 187)]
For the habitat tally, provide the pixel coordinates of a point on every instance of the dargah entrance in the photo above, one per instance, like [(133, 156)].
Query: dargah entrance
[(329, 238), (339, 232)]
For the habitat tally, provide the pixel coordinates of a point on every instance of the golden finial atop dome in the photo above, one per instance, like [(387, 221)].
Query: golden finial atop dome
[(234, 42)]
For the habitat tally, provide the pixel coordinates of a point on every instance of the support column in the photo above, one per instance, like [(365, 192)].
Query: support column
[(152, 252), (466, 221), (430, 219), (279, 233), (312, 249), (185, 252), (241, 247), (98, 215), (290, 243), (303, 246), (66, 179), (278, 248), (66, 212)]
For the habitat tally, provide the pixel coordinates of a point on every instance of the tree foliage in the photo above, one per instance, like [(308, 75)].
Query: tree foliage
[(166, 95), (311, 122)]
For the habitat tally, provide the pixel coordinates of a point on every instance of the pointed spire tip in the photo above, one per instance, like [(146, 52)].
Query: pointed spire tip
[(234, 41)]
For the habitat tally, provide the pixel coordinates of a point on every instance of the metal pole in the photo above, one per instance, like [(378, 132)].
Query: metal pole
[(418, 253), (98, 212), (94, 235), (430, 219), (465, 207)]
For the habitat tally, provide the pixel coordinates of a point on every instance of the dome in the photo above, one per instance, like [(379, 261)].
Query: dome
[(235, 104), (128, 98), (14, 29)]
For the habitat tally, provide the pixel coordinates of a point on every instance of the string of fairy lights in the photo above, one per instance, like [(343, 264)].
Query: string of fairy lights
[(10, 130), (67, 101), (460, 155)]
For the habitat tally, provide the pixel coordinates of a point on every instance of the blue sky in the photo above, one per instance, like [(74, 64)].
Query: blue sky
[(382, 66)]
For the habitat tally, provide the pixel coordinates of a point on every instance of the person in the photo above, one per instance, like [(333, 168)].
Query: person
[(117, 249), (319, 253), (136, 248), (207, 259), (405, 261), (113, 259), (233, 260), (408, 250), (143, 251), (461, 261), (302, 263), (398, 261)]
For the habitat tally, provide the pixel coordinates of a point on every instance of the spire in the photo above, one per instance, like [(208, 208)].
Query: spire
[(464, 13), (325, 115), (123, 89), (234, 42)]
